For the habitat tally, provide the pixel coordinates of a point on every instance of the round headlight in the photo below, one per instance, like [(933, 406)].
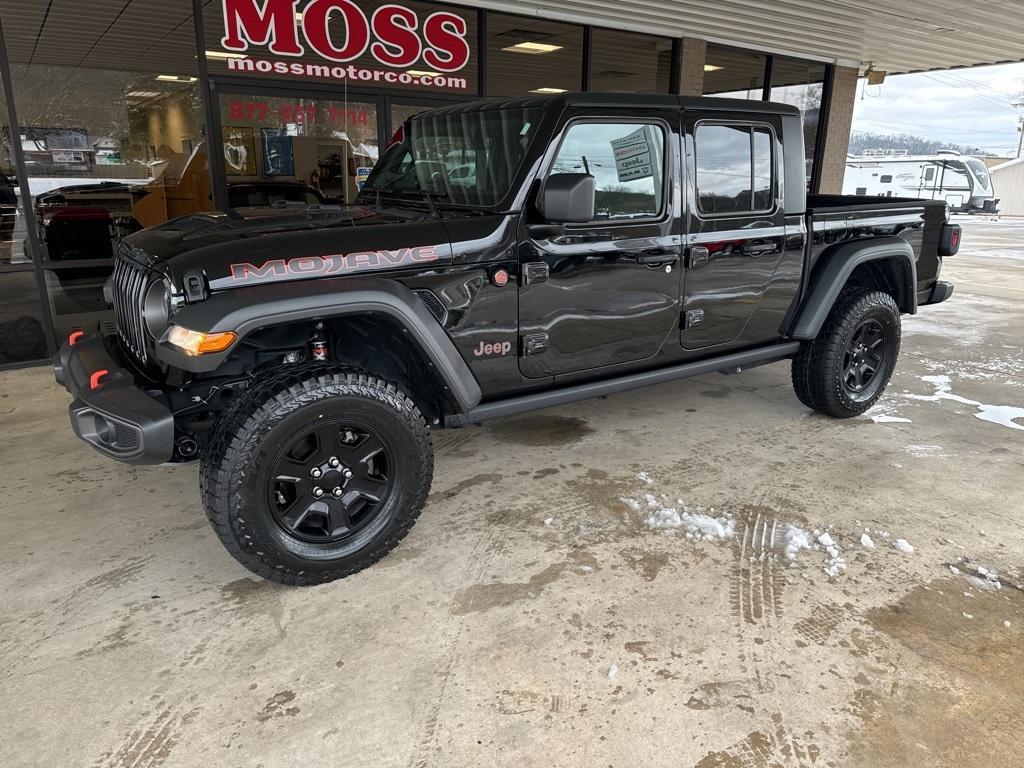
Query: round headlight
[(156, 308)]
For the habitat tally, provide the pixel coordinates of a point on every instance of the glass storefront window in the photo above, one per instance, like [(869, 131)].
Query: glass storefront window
[(529, 55), (626, 61), (107, 153), (411, 46), (22, 336), (801, 83), (297, 149), (734, 73)]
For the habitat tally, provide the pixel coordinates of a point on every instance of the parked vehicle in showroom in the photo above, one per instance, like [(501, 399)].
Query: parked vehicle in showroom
[(605, 242)]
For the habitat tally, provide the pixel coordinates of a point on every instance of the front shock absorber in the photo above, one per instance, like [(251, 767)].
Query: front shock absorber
[(319, 347)]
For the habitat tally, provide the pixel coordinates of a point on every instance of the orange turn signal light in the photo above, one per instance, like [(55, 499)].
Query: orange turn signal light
[(216, 342), (197, 343)]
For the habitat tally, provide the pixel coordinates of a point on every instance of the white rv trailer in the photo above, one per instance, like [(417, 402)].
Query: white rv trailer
[(963, 182)]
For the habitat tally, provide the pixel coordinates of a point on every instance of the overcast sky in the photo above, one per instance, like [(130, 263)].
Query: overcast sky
[(963, 106)]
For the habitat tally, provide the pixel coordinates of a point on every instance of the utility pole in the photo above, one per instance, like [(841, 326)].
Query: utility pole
[(1020, 128)]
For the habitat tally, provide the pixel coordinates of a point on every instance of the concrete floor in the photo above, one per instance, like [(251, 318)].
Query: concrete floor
[(532, 618)]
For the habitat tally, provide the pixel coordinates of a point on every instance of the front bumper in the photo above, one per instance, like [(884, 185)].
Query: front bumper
[(110, 412)]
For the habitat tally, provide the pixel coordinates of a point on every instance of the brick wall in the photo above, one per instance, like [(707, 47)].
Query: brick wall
[(691, 67), (838, 122)]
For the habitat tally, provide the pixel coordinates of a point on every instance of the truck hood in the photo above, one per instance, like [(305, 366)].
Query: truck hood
[(264, 245)]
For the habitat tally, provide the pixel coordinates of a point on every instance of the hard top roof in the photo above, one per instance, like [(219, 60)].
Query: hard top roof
[(604, 100)]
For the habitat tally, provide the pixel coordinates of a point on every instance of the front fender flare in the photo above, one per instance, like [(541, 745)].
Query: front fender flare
[(245, 310), (833, 271)]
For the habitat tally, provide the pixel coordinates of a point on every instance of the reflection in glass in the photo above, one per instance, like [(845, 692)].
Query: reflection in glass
[(801, 83), (627, 61), (735, 169), (22, 336), (532, 55), (734, 73), (762, 170), (279, 150), (627, 160)]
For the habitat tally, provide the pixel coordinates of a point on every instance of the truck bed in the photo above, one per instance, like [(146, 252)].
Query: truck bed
[(833, 219)]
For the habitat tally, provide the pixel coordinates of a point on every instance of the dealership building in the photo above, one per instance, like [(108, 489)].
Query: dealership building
[(121, 114)]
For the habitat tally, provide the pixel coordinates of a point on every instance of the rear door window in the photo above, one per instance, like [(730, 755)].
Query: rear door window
[(735, 171)]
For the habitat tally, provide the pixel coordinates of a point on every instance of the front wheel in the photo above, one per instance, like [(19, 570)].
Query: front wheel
[(844, 371), (316, 476)]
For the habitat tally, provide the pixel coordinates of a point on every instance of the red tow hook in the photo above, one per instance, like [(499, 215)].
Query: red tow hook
[(75, 337), (97, 379)]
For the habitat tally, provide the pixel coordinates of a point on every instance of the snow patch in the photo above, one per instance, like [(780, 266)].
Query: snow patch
[(866, 541), (904, 546), (1003, 415), (697, 523), (883, 413), (613, 671), (926, 451), (797, 539)]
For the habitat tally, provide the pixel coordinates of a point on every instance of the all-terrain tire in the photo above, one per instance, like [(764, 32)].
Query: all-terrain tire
[(238, 467), (820, 367)]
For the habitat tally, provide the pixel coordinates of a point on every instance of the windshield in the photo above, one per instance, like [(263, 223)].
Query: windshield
[(464, 158), (980, 172)]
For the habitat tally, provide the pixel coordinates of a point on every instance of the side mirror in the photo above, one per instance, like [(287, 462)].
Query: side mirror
[(568, 198)]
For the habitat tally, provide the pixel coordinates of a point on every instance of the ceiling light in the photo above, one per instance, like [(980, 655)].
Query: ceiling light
[(143, 94), (422, 73), (532, 48), (711, 68), (548, 90), (176, 78), (225, 55)]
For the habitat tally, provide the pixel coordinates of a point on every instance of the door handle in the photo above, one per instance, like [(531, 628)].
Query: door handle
[(757, 249), (658, 257)]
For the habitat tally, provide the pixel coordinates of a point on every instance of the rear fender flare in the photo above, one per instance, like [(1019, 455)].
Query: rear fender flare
[(833, 272), (246, 310)]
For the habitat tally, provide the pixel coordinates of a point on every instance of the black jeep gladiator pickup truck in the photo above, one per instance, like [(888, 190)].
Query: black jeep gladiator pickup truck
[(503, 256)]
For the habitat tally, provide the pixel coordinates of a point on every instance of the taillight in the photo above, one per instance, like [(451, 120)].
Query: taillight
[(949, 239)]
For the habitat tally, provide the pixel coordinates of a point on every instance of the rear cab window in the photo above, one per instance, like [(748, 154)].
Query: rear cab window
[(735, 169)]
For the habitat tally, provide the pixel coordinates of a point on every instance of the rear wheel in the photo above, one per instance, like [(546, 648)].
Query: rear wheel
[(844, 371), (316, 476)]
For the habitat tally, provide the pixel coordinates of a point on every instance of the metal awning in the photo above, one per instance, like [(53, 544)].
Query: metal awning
[(895, 35)]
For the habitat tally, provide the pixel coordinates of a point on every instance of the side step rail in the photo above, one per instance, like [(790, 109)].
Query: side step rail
[(734, 363)]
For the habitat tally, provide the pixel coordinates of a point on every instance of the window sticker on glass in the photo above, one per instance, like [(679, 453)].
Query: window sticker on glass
[(634, 156)]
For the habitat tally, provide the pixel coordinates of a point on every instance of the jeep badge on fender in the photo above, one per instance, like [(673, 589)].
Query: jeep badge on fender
[(486, 350), (305, 356)]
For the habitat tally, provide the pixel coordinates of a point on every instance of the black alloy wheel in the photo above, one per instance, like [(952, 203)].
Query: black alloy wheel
[(330, 482), (846, 368), (317, 473), (865, 355)]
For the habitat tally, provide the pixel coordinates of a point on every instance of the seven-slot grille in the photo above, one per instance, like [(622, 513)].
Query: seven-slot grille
[(130, 282)]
